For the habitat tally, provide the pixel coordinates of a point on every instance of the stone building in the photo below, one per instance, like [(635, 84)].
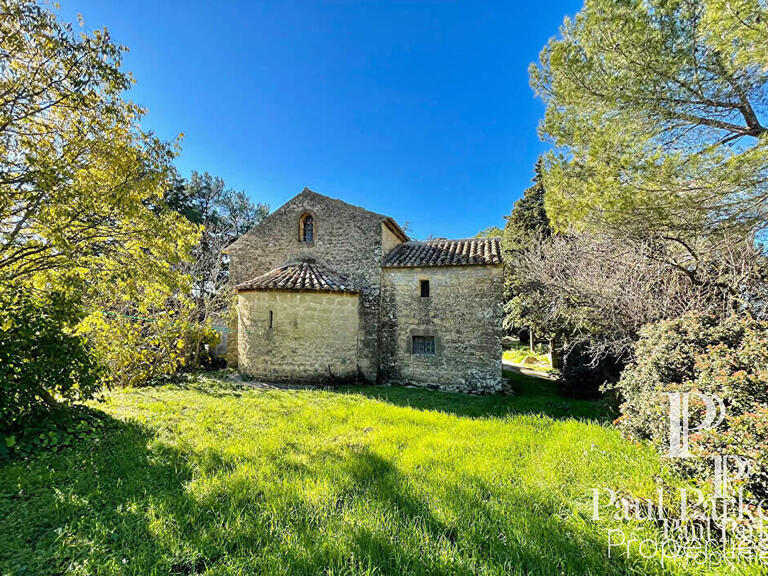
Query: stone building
[(330, 292)]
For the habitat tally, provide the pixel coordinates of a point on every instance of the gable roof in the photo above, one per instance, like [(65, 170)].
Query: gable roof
[(300, 276), (442, 252), (388, 221)]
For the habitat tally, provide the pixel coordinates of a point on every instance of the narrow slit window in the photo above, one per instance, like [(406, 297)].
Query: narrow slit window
[(307, 229), (424, 345), (424, 288), (270, 319)]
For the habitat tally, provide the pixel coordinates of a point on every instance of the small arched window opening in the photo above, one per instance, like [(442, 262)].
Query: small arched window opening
[(307, 228)]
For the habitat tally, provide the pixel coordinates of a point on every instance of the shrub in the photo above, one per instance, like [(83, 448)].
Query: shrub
[(698, 353), (43, 360), (146, 348), (203, 340), (139, 350)]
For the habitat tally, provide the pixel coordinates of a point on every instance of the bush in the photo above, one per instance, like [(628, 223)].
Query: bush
[(59, 428), (697, 353), (139, 350), (144, 349), (202, 344), (42, 359)]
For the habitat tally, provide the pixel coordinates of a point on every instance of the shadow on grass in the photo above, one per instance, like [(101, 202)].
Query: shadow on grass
[(382, 523), (218, 383), (530, 396), (87, 507), (126, 502)]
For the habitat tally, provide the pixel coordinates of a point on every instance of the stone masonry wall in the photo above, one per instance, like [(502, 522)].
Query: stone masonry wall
[(313, 337), (347, 239), (464, 314)]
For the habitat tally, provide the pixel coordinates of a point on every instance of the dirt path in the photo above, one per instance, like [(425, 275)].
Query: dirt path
[(526, 371)]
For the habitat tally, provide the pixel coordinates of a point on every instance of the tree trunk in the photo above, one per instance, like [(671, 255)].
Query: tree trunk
[(555, 357), (532, 341)]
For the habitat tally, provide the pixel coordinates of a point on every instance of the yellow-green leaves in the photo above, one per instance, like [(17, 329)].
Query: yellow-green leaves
[(81, 192)]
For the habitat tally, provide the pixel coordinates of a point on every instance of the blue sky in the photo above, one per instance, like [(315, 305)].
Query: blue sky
[(418, 110)]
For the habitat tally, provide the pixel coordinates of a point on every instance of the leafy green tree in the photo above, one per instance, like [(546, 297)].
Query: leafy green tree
[(43, 358), (81, 191), (490, 232), (529, 218), (657, 112), (709, 355), (78, 177)]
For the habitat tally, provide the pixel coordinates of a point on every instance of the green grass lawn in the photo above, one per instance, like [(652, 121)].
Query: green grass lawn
[(516, 352), (207, 479)]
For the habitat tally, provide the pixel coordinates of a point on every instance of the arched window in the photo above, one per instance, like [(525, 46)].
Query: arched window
[(307, 229)]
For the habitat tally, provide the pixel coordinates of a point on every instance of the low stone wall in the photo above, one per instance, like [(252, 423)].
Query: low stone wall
[(312, 338), (463, 314)]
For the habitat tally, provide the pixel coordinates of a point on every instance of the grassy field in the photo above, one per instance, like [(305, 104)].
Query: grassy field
[(516, 352), (205, 478)]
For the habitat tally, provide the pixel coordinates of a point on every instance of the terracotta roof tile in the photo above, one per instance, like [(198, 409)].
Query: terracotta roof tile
[(442, 252), (300, 276)]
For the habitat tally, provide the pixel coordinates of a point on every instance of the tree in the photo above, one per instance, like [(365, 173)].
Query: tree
[(657, 113), (78, 177), (529, 218), (81, 193), (490, 232), (42, 356), (224, 215), (598, 293), (526, 226), (706, 354)]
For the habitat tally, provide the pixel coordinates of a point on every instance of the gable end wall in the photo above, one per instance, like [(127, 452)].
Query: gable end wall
[(347, 239)]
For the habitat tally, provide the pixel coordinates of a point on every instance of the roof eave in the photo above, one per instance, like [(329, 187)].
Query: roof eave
[(395, 228), (312, 290), (476, 264)]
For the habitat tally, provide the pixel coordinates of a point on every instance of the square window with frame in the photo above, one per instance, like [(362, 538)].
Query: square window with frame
[(423, 345)]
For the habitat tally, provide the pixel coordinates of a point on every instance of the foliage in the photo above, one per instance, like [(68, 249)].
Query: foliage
[(584, 374), (224, 215), (600, 291), (528, 218), (654, 108), (490, 232), (205, 200), (517, 352), (52, 431), (367, 481), (79, 180), (137, 350), (42, 359), (202, 345), (727, 358), (526, 225), (657, 182), (82, 207), (595, 293), (748, 434)]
